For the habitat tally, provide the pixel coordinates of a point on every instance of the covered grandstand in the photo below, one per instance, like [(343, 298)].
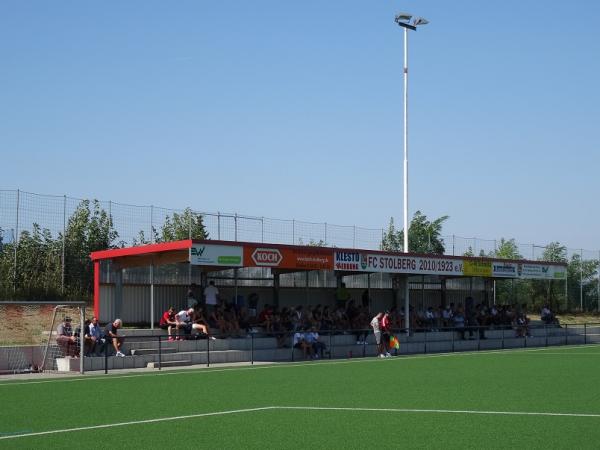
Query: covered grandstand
[(138, 283)]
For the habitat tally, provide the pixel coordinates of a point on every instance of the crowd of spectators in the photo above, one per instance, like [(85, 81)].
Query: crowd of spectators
[(302, 324)]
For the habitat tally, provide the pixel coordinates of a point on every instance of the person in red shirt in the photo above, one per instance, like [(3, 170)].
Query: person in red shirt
[(386, 327), (167, 321)]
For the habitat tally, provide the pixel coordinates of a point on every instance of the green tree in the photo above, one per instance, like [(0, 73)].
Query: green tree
[(551, 292), (89, 229), (182, 226), (424, 236), (581, 283), (507, 249), (390, 240)]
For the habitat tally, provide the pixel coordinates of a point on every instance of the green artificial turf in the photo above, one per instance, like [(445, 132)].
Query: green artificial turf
[(553, 380)]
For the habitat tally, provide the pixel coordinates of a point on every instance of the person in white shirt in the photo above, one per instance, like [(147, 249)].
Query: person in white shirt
[(375, 322), (211, 297), (313, 339), (185, 319), (301, 342)]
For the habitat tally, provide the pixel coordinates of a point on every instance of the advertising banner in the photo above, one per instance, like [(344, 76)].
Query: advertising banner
[(288, 258), (504, 269), (216, 255), (473, 268), (541, 271), (394, 263)]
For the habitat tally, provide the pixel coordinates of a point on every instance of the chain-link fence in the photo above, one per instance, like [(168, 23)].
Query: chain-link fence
[(51, 228)]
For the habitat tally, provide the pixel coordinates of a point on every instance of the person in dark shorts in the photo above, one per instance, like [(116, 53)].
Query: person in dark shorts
[(111, 332)]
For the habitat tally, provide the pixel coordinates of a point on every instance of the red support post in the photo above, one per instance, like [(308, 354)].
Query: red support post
[(97, 289)]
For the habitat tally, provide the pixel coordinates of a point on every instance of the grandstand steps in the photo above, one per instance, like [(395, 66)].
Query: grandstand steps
[(260, 347)]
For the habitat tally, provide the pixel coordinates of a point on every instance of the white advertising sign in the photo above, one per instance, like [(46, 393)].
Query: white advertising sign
[(369, 262), (504, 269), (541, 271), (216, 255)]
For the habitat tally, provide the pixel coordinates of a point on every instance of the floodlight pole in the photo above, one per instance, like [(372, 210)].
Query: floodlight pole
[(405, 212), (404, 20), (405, 246)]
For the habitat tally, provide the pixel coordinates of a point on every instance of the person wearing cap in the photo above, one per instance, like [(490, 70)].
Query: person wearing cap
[(65, 339)]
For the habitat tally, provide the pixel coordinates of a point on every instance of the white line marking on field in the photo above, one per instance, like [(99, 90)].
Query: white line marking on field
[(302, 408), (289, 364), (441, 411), (135, 422)]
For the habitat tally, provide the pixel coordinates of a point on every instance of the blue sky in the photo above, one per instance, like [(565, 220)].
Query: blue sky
[(294, 110)]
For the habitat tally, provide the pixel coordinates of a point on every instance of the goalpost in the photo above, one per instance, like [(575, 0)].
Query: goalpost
[(29, 340)]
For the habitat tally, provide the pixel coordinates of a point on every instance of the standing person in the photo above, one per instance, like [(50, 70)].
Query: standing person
[(111, 332), (211, 297), (375, 324), (386, 328), (191, 299), (167, 321)]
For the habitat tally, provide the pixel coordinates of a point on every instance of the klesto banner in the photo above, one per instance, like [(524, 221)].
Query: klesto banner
[(393, 263), (216, 255), (541, 271), (288, 258)]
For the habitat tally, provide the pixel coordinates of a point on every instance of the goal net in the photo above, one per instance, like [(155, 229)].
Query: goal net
[(40, 336)]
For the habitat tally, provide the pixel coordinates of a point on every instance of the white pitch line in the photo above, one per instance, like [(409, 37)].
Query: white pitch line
[(135, 422), (302, 408), (440, 411), (284, 365)]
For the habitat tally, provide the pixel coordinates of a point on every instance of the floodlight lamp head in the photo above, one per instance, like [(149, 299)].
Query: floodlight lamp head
[(420, 21), (403, 17)]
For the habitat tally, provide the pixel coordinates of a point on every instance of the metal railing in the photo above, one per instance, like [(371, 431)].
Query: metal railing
[(337, 344)]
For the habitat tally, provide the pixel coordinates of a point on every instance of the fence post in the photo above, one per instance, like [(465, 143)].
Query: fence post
[(585, 333), (293, 231), (453, 242), (453, 333), (159, 352), (425, 342), (208, 353), (262, 229), (16, 242), (364, 348), (106, 355), (502, 338), (581, 280), (235, 218), (330, 344), (62, 275), (546, 333), (353, 236), (218, 225), (151, 224), (566, 334), (252, 348)]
